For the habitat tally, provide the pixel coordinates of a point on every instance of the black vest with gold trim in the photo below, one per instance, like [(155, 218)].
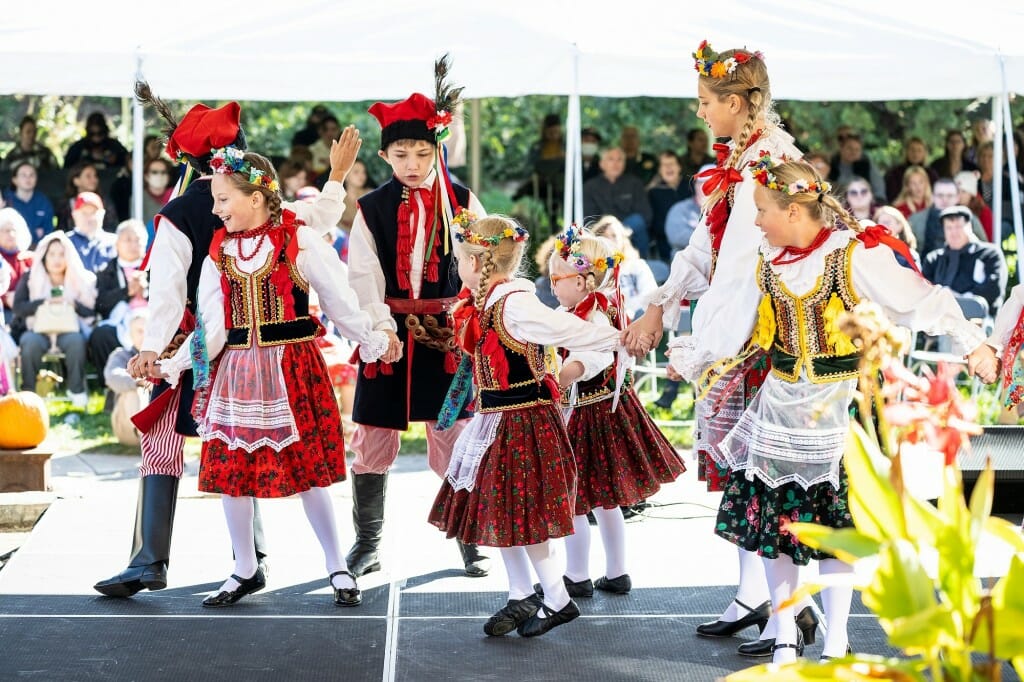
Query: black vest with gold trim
[(526, 385), (602, 386)]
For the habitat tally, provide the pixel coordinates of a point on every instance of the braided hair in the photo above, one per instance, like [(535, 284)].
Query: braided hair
[(272, 197), (504, 259), (821, 206)]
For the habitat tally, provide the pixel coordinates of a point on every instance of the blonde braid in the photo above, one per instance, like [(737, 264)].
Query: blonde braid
[(485, 275), (741, 143), (274, 206), (840, 214)]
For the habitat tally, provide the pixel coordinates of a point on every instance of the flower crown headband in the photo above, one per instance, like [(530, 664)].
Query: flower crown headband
[(708, 63), (567, 246), (228, 160), (761, 170), (464, 234)]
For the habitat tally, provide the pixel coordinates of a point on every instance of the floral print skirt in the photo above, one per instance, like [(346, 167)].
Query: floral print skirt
[(525, 485), (315, 459), (754, 516), (621, 457)]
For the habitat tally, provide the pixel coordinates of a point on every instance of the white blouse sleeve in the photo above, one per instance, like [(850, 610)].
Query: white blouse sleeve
[(320, 265), (593, 361), (366, 276), (325, 211), (169, 260), (910, 300), (476, 207), (210, 300), (688, 279), (529, 320), (1007, 318)]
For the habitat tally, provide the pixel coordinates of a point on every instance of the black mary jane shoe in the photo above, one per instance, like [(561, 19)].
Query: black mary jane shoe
[(806, 620), (826, 659), (512, 615), (621, 585), (728, 628), (245, 586), (534, 626), (584, 588), (756, 648), (799, 646), (345, 596)]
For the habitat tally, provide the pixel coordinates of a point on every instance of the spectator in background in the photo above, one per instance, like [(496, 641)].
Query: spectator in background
[(967, 186), (916, 194), (130, 395), (590, 148), (638, 162), (697, 155), (636, 280), (15, 240), (546, 159), (152, 148), (95, 247), (915, 153), (821, 163), (971, 268), (292, 177), (860, 199), (893, 220), (927, 224), (157, 189), (952, 162), (667, 189), (983, 130), (57, 275), (29, 150), (329, 130), (121, 287), (97, 147), (682, 218), (82, 177), (851, 162), (35, 208), (617, 194), (357, 183), (311, 132)]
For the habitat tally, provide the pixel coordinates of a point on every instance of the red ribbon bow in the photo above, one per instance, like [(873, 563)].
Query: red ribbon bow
[(719, 178), (874, 235)]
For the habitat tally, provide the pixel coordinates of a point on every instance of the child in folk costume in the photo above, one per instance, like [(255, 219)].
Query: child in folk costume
[(787, 446), (511, 482), (1008, 335), (266, 412), (401, 267), (621, 456), (735, 101)]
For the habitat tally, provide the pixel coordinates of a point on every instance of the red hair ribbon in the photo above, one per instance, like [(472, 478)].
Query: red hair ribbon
[(874, 235)]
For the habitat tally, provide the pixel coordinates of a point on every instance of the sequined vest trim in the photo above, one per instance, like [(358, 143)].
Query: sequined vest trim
[(526, 369)]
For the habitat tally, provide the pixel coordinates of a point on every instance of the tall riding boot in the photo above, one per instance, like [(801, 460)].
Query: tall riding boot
[(151, 547), (668, 394), (476, 564), (368, 519)]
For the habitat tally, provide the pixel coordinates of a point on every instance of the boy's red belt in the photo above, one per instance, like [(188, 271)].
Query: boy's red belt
[(420, 306)]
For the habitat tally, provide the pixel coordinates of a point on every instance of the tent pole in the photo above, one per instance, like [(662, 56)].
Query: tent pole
[(1011, 159), (573, 166), (138, 149), (997, 164), (577, 155), (474, 145)]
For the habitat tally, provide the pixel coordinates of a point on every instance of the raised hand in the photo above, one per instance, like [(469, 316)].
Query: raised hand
[(344, 151)]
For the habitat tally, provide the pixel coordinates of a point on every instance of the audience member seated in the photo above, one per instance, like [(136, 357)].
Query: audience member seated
[(952, 162), (893, 220), (545, 170), (8, 348), (35, 208), (97, 147), (821, 163), (543, 282), (311, 132), (357, 183), (59, 280), (329, 130), (82, 177), (666, 190), (697, 155), (623, 196), (636, 280), (915, 153), (983, 131), (967, 186), (638, 162), (860, 199), (121, 287), (682, 219), (158, 185), (916, 194), (590, 150), (851, 162), (971, 268), (986, 186), (29, 150), (129, 394), (927, 225), (95, 246), (291, 175), (14, 243)]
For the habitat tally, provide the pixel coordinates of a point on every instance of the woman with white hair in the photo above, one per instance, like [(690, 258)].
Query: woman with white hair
[(15, 239), (57, 276)]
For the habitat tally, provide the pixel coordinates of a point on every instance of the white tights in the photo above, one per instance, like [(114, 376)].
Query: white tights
[(613, 536), (752, 590), (547, 562), (836, 600), (783, 575)]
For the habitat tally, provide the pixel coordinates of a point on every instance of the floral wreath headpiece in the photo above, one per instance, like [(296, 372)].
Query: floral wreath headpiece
[(708, 63), (228, 160), (567, 246), (761, 170), (462, 225)]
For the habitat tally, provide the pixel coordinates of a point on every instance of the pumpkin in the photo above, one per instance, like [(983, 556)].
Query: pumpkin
[(24, 421)]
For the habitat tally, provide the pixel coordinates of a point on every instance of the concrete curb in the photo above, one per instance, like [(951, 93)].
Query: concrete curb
[(20, 511)]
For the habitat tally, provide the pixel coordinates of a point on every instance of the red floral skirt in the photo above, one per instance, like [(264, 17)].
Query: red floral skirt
[(524, 488), (316, 460), (621, 457)]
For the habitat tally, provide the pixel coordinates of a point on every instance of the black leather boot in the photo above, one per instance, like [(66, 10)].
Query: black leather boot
[(668, 394), (151, 547), (260, 541), (368, 519), (475, 563)]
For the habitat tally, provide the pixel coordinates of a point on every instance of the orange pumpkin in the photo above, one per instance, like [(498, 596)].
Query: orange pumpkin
[(24, 421)]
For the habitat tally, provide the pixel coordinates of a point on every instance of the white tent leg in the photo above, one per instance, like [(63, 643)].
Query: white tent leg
[(138, 150), (475, 172)]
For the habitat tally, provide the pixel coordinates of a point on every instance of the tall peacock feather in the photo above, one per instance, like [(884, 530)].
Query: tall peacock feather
[(446, 100)]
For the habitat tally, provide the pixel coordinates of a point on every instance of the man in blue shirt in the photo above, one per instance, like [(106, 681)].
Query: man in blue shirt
[(35, 208), (95, 246)]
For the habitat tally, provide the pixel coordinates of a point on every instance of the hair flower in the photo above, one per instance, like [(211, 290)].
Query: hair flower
[(709, 63), (761, 170), (228, 160)]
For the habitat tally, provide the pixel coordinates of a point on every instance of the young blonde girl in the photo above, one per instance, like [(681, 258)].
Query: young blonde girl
[(786, 449), (735, 100), (1008, 335), (511, 482), (266, 411), (621, 457)]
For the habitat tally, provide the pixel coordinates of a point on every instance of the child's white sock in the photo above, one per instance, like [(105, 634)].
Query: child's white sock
[(783, 576), (316, 502), (836, 601), (613, 536), (517, 565), (577, 550), (548, 563), (238, 512)]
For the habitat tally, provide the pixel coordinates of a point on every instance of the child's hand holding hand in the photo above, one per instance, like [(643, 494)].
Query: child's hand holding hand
[(983, 363), (570, 374), (394, 351), (343, 153)]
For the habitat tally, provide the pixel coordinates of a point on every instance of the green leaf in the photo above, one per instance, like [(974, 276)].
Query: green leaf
[(1008, 605), (900, 587), (1018, 665), (923, 631), (1005, 531), (847, 544), (956, 572), (874, 505), (981, 500), (858, 668)]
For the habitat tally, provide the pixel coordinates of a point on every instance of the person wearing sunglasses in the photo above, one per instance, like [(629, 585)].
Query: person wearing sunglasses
[(860, 199)]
